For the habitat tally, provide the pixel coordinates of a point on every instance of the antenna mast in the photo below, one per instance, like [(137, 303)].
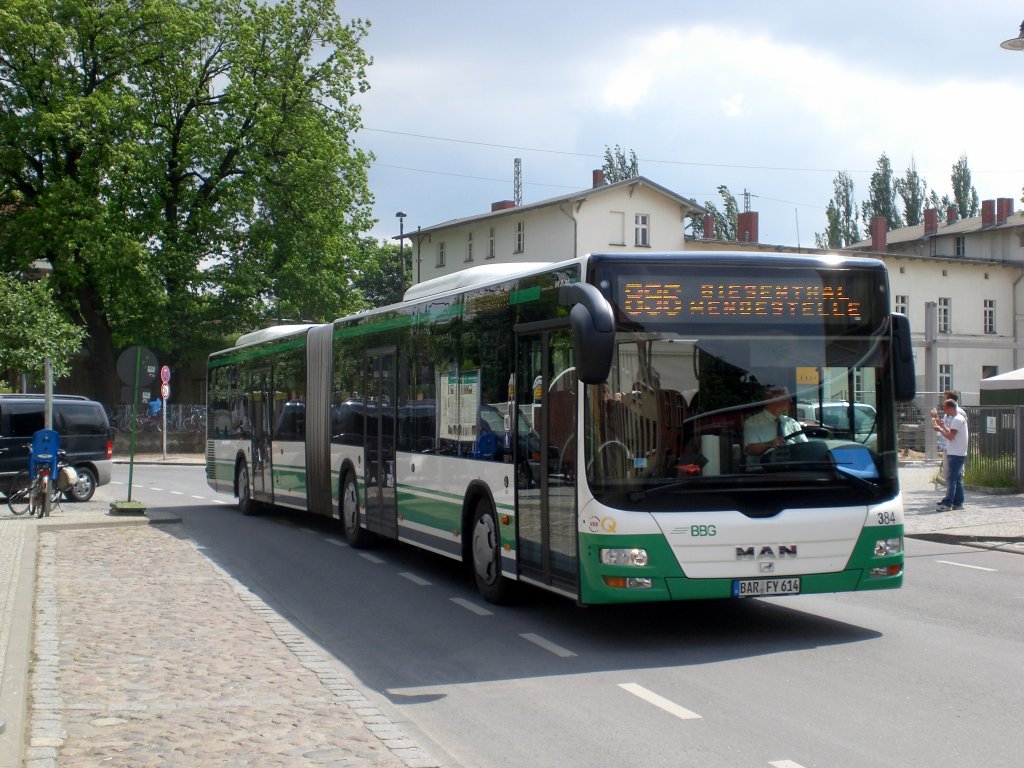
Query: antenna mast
[(517, 183)]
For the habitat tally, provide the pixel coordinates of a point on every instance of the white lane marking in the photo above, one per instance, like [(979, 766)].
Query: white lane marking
[(784, 764), (154, 488), (547, 645), (197, 497), (177, 493), (965, 565), (337, 543), (660, 702), (218, 501), (371, 558), (415, 579), (470, 606)]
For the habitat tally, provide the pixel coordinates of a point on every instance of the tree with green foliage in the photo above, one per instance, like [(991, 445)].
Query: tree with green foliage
[(378, 278), (618, 167), (842, 215), (913, 191), (940, 204), (186, 166), (965, 196), (881, 197), (33, 329), (727, 223)]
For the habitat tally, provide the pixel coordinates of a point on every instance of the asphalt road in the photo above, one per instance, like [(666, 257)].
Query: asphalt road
[(930, 675)]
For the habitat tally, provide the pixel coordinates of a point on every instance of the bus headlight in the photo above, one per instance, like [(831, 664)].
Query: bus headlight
[(636, 557), (886, 547)]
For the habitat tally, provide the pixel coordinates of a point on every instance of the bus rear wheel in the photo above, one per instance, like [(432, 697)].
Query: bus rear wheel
[(246, 505), (485, 549), (355, 534)]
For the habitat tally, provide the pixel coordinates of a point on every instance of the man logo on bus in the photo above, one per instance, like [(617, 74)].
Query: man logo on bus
[(766, 552)]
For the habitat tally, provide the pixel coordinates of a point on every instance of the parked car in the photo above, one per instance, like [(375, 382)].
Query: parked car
[(834, 417), (84, 431)]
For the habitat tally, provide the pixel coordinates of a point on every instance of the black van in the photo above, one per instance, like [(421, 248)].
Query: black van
[(84, 436)]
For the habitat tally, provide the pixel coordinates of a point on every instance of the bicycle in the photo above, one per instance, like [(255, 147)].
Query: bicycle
[(36, 493)]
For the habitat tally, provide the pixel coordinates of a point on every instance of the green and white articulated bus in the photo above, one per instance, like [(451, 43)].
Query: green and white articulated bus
[(580, 426)]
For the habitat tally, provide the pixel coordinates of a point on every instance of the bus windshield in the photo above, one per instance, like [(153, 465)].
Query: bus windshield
[(742, 384)]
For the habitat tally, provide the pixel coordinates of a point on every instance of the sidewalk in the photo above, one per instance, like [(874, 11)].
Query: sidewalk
[(146, 653), (988, 520)]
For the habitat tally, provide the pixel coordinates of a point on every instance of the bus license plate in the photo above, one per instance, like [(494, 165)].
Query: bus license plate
[(765, 587)]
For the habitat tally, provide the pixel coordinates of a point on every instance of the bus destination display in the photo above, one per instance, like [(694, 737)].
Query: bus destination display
[(644, 298)]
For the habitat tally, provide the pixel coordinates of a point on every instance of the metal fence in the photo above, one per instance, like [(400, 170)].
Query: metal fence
[(996, 439), (995, 442), (181, 418)]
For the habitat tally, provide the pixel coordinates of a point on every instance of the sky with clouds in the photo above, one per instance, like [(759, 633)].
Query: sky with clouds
[(770, 97)]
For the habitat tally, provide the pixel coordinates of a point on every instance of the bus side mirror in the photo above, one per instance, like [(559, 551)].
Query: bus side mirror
[(904, 383), (593, 331)]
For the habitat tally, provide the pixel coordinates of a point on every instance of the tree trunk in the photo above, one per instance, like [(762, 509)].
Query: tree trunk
[(105, 384)]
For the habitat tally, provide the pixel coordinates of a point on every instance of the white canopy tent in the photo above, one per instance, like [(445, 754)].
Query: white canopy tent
[(1003, 389)]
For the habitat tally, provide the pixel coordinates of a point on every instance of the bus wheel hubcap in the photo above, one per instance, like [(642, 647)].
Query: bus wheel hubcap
[(483, 548)]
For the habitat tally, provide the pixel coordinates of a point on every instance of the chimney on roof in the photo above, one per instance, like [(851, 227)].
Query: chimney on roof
[(951, 214), (1004, 209), (709, 227), (931, 221), (598, 178), (988, 213), (747, 227), (502, 205), (879, 232)]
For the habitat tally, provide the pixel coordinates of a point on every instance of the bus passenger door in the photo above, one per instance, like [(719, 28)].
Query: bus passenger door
[(261, 405), (379, 447), (546, 398)]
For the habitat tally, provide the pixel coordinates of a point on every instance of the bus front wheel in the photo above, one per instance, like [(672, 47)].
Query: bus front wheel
[(485, 546)]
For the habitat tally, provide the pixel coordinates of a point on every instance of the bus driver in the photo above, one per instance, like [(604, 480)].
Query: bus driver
[(771, 427)]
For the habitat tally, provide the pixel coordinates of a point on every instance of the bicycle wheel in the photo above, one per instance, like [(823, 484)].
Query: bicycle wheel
[(19, 493)]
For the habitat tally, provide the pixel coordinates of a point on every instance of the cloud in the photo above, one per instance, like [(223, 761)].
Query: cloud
[(733, 106)]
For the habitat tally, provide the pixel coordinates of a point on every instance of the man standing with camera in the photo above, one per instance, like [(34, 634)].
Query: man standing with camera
[(953, 428)]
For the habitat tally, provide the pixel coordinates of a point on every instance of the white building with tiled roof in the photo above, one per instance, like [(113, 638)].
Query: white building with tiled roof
[(961, 283), (631, 215)]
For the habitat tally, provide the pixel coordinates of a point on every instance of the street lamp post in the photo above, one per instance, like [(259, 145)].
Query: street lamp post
[(401, 249), (42, 269), (1014, 43)]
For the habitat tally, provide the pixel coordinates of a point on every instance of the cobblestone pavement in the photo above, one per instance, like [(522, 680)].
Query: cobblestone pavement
[(994, 521), (147, 654)]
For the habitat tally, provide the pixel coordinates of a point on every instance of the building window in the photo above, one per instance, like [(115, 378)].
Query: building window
[(520, 237), (988, 371), (469, 247), (642, 230), (945, 377), (490, 243), (945, 315), (990, 315), (961, 246), (902, 304), (440, 254)]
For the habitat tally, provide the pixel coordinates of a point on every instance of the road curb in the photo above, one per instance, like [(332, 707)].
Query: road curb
[(1012, 544)]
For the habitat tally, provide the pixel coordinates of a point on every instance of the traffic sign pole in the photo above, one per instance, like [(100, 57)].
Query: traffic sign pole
[(165, 393)]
